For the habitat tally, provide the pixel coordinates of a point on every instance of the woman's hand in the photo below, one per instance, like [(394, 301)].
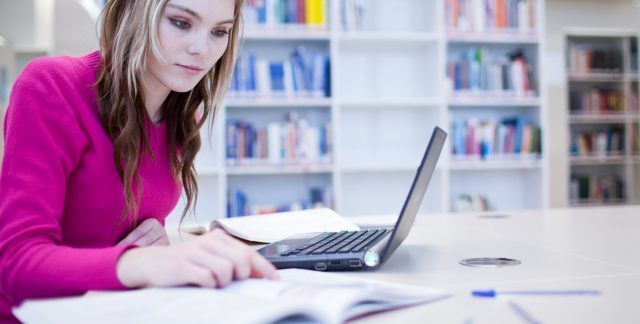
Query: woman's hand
[(149, 232), (212, 260)]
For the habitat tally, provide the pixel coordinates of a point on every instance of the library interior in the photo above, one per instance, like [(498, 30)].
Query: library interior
[(330, 107)]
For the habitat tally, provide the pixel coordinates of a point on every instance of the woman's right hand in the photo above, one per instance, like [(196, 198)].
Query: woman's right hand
[(212, 260)]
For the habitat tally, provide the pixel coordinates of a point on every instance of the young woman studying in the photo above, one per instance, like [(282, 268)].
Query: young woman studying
[(98, 149)]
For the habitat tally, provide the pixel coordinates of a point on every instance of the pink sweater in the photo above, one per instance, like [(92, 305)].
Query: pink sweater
[(60, 193)]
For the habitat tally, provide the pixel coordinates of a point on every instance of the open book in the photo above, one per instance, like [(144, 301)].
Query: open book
[(300, 296), (269, 228)]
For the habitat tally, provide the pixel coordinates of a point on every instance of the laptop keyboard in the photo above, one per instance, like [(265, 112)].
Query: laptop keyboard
[(339, 242)]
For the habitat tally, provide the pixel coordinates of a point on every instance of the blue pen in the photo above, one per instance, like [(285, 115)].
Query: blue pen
[(490, 293)]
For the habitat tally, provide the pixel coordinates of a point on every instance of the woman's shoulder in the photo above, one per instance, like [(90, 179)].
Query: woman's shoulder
[(50, 72)]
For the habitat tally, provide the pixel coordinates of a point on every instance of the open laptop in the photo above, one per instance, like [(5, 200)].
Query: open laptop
[(367, 248)]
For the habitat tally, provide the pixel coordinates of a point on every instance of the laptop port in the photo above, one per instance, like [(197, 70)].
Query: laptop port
[(321, 266), (355, 263), (334, 263)]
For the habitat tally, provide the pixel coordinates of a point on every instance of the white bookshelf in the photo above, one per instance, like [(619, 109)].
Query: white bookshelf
[(619, 76)]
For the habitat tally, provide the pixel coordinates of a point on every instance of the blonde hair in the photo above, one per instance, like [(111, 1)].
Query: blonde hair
[(128, 36)]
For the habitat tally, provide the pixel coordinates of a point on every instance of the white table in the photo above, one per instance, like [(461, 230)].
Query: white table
[(590, 248)]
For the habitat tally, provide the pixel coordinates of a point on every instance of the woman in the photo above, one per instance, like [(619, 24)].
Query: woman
[(102, 144)]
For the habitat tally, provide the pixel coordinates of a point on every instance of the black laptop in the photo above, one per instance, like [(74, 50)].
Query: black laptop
[(364, 249)]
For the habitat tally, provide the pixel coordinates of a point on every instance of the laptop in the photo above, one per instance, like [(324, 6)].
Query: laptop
[(358, 250)]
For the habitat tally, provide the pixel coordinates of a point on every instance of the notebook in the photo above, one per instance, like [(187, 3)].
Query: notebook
[(364, 249)]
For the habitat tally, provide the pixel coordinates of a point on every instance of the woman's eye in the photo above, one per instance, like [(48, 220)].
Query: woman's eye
[(220, 33), (181, 24)]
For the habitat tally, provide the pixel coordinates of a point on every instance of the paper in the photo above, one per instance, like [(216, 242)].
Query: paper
[(271, 228), (300, 296)]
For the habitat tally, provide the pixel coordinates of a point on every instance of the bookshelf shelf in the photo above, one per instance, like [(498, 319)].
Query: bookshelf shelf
[(597, 160), (390, 102), (495, 37), (600, 118), (496, 164), (362, 168), (414, 38), (594, 203), (275, 102), (275, 169), (292, 34), (492, 101), (208, 171), (597, 77)]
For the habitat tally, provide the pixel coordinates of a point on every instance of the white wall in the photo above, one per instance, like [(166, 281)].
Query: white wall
[(560, 14)]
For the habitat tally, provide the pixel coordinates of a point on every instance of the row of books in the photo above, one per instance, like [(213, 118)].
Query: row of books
[(471, 203), (476, 72), (490, 15), (353, 13), (598, 143), (303, 74), (599, 101), (295, 140), (588, 59), (239, 204), (270, 13), (592, 188), (493, 138)]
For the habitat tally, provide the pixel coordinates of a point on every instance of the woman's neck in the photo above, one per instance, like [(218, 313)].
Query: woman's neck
[(154, 95)]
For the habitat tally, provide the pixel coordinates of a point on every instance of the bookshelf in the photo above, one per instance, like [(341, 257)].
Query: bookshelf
[(494, 104), (602, 105)]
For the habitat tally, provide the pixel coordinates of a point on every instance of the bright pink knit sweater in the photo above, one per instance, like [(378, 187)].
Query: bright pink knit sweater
[(60, 193)]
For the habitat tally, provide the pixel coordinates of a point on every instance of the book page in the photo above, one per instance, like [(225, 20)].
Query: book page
[(164, 305), (270, 228)]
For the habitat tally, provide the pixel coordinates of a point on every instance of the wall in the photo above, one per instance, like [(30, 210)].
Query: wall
[(560, 14)]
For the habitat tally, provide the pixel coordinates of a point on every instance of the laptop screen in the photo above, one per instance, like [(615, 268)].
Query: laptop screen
[(417, 191)]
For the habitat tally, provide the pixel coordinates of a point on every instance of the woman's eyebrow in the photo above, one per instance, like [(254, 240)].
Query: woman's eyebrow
[(196, 15)]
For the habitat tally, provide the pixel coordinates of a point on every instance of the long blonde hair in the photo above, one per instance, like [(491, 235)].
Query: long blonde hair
[(128, 35)]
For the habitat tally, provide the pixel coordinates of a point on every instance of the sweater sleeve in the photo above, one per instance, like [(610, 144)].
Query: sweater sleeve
[(44, 144)]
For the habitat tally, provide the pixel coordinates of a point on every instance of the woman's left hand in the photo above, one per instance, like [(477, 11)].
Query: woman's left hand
[(149, 232)]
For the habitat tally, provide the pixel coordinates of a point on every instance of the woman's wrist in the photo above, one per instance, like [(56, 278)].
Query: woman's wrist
[(128, 268)]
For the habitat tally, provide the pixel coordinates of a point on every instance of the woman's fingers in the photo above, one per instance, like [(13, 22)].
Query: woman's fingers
[(253, 264), (149, 232), (220, 268)]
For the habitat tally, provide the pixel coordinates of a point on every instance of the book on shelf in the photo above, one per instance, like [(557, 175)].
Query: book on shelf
[(599, 101), (476, 73), (302, 74), (471, 203), (609, 142), (352, 13), (295, 140), (490, 15), (591, 188), (490, 138), (276, 226), (299, 296), (586, 59), (271, 13), (239, 204)]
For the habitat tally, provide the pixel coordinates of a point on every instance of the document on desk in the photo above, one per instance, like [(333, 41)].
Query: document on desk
[(269, 228), (300, 296)]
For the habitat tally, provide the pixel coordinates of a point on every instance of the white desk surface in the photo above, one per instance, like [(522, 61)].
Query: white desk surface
[(582, 249)]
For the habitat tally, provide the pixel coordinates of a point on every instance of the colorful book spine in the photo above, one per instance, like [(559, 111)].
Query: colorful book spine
[(589, 59), (272, 13), (491, 139), (295, 141), (490, 15), (301, 75), (600, 101), (608, 142), (239, 204), (477, 74), (591, 189)]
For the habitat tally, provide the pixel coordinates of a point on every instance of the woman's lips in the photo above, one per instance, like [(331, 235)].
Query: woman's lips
[(192, 70)]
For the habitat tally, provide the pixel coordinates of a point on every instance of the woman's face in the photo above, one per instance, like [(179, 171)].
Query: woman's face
[(193, 35)]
